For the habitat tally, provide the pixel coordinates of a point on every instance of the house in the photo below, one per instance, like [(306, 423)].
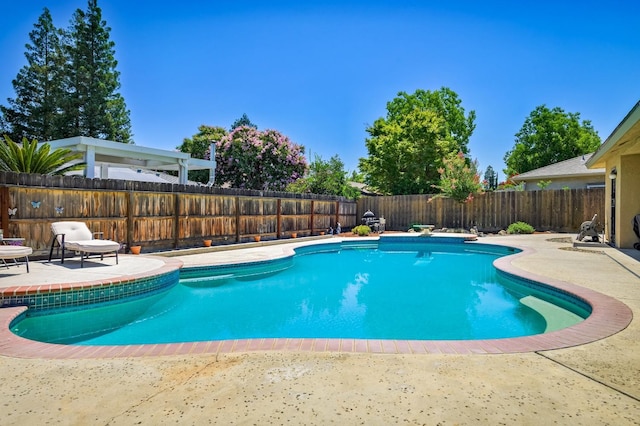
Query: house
[(619, 155), (572, 174)]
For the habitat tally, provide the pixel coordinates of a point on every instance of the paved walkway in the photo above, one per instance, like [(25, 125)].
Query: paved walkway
[(596, 383), (94, 271)]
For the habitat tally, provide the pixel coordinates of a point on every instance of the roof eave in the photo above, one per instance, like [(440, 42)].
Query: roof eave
[(598, 159), (594, 173)]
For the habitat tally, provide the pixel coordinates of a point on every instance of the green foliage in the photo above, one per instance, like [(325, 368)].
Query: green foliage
[(34, 112), (361, 230), (459, 178), (547, 137), (268, 160), (490, 182), (69, 86), (520, 228), (199, 146), (407, 147), (325, 178), (356, 177), (242, 121), (29, 158), (94, 106), (543, 184)]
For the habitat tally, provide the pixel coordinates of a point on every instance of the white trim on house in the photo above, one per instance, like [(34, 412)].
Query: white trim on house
[(608, 147)]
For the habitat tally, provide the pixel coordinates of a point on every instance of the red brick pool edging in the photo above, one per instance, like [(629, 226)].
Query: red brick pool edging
[(608, 317)]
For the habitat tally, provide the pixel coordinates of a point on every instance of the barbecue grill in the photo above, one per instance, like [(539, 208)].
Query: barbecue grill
[(376, 224)]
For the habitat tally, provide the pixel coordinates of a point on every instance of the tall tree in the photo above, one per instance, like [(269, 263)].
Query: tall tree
[(35, 111), (242, 121), (547, 137), (407, 148), (490, 182), (199, 146), (94, 107)]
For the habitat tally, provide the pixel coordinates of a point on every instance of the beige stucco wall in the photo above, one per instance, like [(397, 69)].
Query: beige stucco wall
[(621, 151), (628, 199)]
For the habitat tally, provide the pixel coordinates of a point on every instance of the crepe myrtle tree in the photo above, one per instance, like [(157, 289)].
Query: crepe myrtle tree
[(252, 159), (459, 179)]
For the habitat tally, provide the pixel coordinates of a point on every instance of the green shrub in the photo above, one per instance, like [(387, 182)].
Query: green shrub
[(543, 184), (361, 230), (520, 228)]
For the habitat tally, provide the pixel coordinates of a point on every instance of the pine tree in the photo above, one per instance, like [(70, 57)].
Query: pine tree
[(35, 111), (93, 105), (490, 182), (242, 121)]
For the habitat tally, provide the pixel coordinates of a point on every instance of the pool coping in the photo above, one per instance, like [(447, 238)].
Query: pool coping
[(609, 316)]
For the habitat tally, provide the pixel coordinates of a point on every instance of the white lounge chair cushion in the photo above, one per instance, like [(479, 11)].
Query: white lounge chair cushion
[(92, 246), (73, 231), (14, 252), (78, 237)]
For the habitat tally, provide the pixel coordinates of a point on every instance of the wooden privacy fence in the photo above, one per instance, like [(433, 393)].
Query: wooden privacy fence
[(161, 216), (546, 210)]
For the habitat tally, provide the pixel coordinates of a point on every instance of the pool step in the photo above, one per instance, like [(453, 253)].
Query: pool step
[(556, 317), (197, 280)]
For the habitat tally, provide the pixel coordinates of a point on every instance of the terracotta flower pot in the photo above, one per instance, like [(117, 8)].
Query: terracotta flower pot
[(207, 243), (256, 238), (135, 249), (294, 235)]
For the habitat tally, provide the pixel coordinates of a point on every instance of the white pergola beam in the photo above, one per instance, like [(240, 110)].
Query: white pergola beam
[(103, 151)]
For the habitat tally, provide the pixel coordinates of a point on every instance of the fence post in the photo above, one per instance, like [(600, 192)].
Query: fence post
[(278, 218), (4, 209), (312, 219), (237, 219), (129, 218), (176, 222)]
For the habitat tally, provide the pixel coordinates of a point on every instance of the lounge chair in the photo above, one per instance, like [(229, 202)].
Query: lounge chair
[(75, 236), (15, 252)]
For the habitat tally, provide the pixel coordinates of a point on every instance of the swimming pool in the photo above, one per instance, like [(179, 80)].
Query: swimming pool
[(347, 290)]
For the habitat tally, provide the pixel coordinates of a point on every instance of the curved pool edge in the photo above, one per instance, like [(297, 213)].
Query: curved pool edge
[(609, 316)]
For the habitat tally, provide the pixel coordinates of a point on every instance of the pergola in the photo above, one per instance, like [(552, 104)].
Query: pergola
[(99, 152)]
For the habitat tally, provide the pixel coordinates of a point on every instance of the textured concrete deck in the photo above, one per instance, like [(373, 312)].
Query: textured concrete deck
[(596, 383)]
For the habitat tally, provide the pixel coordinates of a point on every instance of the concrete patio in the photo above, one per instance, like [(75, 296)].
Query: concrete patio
[(596, 383)]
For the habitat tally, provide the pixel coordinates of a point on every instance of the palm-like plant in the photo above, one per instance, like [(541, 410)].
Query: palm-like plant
[(29, 158)]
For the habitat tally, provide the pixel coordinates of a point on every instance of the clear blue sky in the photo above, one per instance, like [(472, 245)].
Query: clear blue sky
[(320, 72)]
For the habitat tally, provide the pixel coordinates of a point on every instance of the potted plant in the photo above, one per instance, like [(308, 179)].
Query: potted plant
[(256, 238)]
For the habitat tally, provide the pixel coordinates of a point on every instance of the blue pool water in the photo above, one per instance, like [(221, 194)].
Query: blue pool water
[(400, 292)]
